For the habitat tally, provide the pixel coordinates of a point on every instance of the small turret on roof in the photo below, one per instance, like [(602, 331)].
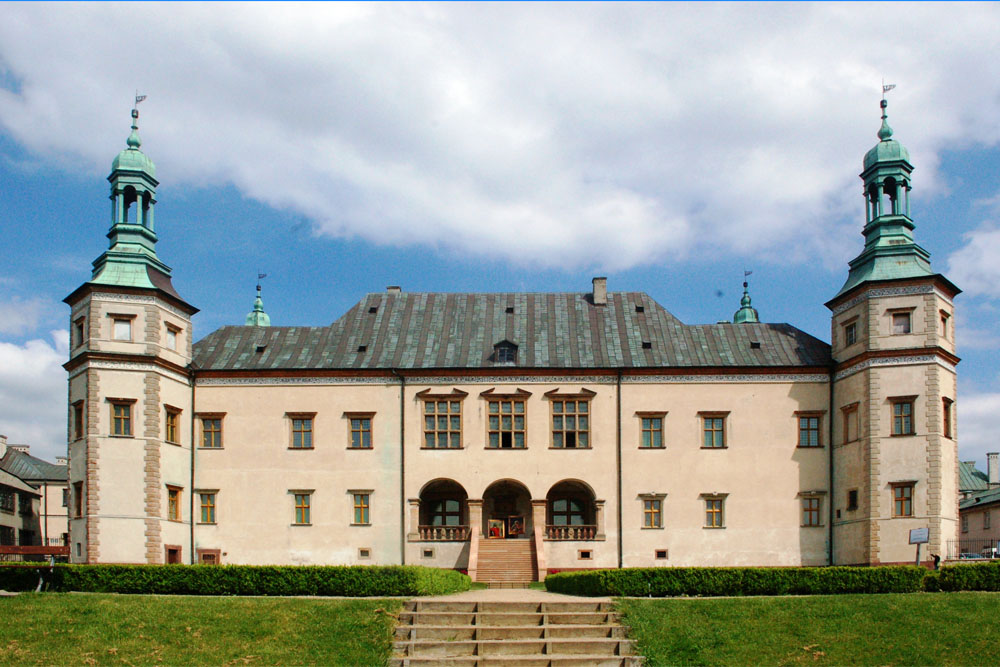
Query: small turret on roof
[(257, 317)]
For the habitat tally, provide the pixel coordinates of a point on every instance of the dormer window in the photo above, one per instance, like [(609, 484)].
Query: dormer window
[(505, 352)]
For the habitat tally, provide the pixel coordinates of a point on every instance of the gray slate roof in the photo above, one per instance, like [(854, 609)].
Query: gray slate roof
[(551, 330), (32, 469), (970, 479)]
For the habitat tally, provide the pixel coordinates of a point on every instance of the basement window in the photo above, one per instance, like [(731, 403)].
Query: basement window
[(661, 554), (364, 553), (585, 554)]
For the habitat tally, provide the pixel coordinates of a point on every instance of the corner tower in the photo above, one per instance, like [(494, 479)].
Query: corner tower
[(129, 388), (895, 453)]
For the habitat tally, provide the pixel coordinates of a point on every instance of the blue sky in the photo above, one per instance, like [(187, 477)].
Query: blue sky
[(341, 149)]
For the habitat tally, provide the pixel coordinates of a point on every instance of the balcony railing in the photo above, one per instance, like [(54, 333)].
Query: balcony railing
[(443, 533), (564, 533)]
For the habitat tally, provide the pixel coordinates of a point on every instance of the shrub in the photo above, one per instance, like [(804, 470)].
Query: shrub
[(348, 581), (971, 577), (718, 581)]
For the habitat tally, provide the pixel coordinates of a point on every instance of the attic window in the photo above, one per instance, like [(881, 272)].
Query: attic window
[(509, 310), (640, 309), (646, 345), (261, 348), (505, 353), (362, 348), (373, 310), (754, 345)]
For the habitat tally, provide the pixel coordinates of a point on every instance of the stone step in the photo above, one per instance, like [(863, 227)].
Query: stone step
[(469, 632), (550, 607), (491, 647), (507, 618), (522, 661)]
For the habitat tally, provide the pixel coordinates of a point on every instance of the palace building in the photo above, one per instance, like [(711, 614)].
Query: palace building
[(513, 434)]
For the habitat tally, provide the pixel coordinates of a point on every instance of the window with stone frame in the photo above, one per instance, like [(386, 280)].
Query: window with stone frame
[(172, 335), (206, 501), (713, 429), (812, 510), (121, 417), (651, 430), (78, 420), (810, 429), (172, 419), (851, 422), (944, 320), (77, 500), (901, 321), (902, 415), (442, 419), (946, 417), (852, 500), (121, 327), (359, 426), (211, 430), (362, 507), (79, 331), (506, 419), (570, 420), (902, 499), (303, 507), (715, 510), (174, 503), (652, 509), (301, 424)]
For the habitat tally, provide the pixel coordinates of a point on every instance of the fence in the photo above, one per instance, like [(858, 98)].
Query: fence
[(971, 548)]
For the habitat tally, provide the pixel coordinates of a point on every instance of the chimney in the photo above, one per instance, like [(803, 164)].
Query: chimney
[(600, 293), (3, 445), (62, 460), (393, 289), (19, 448), (993, 469)]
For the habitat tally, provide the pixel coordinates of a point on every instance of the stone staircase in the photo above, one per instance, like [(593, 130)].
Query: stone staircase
[(511, 634), (506, 563)]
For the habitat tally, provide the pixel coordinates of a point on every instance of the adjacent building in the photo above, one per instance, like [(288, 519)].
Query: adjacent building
[(513, 432)]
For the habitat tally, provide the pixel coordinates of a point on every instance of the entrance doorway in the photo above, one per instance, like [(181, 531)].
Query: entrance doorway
[(507, 511)]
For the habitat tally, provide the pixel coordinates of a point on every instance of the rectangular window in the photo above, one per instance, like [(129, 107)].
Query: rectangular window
[(26, 538), (946, 426), (7, 500), (809, 431), (442, 424), (852, 500), (207, 507), (506, 424), (361, 430), (302, 431), (986, 520), (77, 499), (713, 430), (172, 337), (174, 503), (944, 324), (121, 418), (570, 424), (652, 513), (79, 331), (652, 431), (211, 432), (851, 422), (965, 523), (901, 323), (714, 512), (850, 333), (65, 497), (361, 507), (6, 536), (811, 511), (902, 500), (24, 504), (78, 420), (121, 328), (172, 421), (302, 503), (902, 417)]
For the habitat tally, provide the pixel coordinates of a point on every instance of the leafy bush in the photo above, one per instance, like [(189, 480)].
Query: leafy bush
[(716, 581), (349, 581), (971, 577)]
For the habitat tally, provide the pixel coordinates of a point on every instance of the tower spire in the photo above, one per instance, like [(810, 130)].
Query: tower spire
[(257, 317), (747, 314)]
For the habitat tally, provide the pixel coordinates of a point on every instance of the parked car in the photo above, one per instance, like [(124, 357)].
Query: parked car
[(990, 552)]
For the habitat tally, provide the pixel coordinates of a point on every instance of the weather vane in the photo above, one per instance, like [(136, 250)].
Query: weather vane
[(886, 88), (746, 274), (138, 98)]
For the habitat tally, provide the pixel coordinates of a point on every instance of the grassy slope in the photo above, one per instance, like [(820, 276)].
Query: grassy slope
[(915, 629), (116, 629)]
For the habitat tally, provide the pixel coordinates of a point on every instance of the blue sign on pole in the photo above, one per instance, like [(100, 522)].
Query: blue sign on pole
[(919, 536)]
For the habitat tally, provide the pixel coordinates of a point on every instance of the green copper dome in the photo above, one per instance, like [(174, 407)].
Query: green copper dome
[(746, 314), (133, 159), (887, 149), (257, 317)]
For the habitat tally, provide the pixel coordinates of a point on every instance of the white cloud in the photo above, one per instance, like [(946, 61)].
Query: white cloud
[(557, 135), (18, 316), (976, 265), (33, 394), (977, 426)]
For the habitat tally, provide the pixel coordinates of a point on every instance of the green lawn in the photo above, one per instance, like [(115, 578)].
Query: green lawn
[(914, 629), (72, 629)]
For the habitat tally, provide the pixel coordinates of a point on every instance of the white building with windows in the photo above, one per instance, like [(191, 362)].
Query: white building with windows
[(513, 434)]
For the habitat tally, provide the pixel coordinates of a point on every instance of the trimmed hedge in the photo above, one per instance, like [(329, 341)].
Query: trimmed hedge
[(733, 581), (348, 581), (970, 577)]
